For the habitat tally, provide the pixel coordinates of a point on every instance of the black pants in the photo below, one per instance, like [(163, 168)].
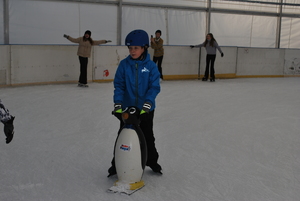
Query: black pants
[(83, 70), (210, 58), (146, 126), (158, 60)]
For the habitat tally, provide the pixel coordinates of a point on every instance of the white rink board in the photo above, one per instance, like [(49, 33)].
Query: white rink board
[(4, 64), (36, 64), (180, 60), (259, 61), (106, 61), (292, 62)]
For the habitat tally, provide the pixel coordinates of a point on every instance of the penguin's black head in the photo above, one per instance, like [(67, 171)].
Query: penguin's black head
[(131, 115)]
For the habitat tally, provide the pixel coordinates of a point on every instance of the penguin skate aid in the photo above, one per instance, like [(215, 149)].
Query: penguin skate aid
[(141, 96), (130, 154)]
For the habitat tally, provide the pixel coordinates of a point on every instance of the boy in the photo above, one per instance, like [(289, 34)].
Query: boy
[(7, 120), (136, 83)]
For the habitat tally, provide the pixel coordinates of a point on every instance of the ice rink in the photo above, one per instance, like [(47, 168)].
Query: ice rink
[(232, 140)]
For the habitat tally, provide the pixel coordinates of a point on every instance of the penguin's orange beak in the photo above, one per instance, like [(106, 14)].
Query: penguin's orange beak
[(125, 116)]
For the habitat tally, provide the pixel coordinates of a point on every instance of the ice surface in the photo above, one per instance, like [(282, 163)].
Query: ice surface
[(232, 140)]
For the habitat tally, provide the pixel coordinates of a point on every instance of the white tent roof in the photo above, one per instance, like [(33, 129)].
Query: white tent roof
[(233, 23)]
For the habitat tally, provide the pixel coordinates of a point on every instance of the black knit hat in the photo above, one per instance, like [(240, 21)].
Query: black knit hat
[(88, 32)]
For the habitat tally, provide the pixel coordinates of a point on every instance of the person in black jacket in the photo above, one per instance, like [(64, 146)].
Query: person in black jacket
[(7, 120)]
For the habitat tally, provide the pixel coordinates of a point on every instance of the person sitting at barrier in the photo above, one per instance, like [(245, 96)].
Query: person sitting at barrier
[(211, 47)]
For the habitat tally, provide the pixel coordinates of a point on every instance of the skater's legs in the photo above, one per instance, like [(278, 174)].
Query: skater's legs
[(207, 66), (155, 59), (158, 60), (212, 64), (83, 70), (147, 128)]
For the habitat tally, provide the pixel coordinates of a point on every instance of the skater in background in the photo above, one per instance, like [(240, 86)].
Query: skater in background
[(84, 52), (7, 120), (157, 45), (211, 47), (136, 83)]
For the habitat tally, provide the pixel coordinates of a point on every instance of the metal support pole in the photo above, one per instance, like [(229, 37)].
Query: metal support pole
[(199, 66), (119, 23), (6, 21), (279, 20), (167, 26), (208, 17)]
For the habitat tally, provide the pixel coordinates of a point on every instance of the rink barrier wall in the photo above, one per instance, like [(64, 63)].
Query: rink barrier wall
[(51, 64)]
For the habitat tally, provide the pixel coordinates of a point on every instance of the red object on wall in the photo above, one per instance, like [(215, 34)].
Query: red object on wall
[(105, 73)]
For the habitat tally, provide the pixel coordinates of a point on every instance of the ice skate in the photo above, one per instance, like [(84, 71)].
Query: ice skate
[(112, 171), (82, 85), (156, 168)]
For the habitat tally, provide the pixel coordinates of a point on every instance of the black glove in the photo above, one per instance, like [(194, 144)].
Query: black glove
[(222, 54), (146, 108), (145, 111), (192, 46), (66, 36), (9, 130), (108, 41), (118, 111)]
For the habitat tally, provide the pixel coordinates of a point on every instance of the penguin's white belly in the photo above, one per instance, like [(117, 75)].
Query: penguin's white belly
[(128, 156)]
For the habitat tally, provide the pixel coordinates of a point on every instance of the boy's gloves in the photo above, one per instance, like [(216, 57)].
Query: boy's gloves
[(118, 111), (9, 130), (108, 41), (192, 46), (222, 54), (118, 108), (66, 36), (145, 111), (146, 108)]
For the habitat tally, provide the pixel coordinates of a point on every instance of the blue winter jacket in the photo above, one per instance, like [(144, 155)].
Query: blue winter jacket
[(136, 82)]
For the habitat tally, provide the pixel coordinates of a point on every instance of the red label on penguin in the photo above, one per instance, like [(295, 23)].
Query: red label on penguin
[(125, 147)]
